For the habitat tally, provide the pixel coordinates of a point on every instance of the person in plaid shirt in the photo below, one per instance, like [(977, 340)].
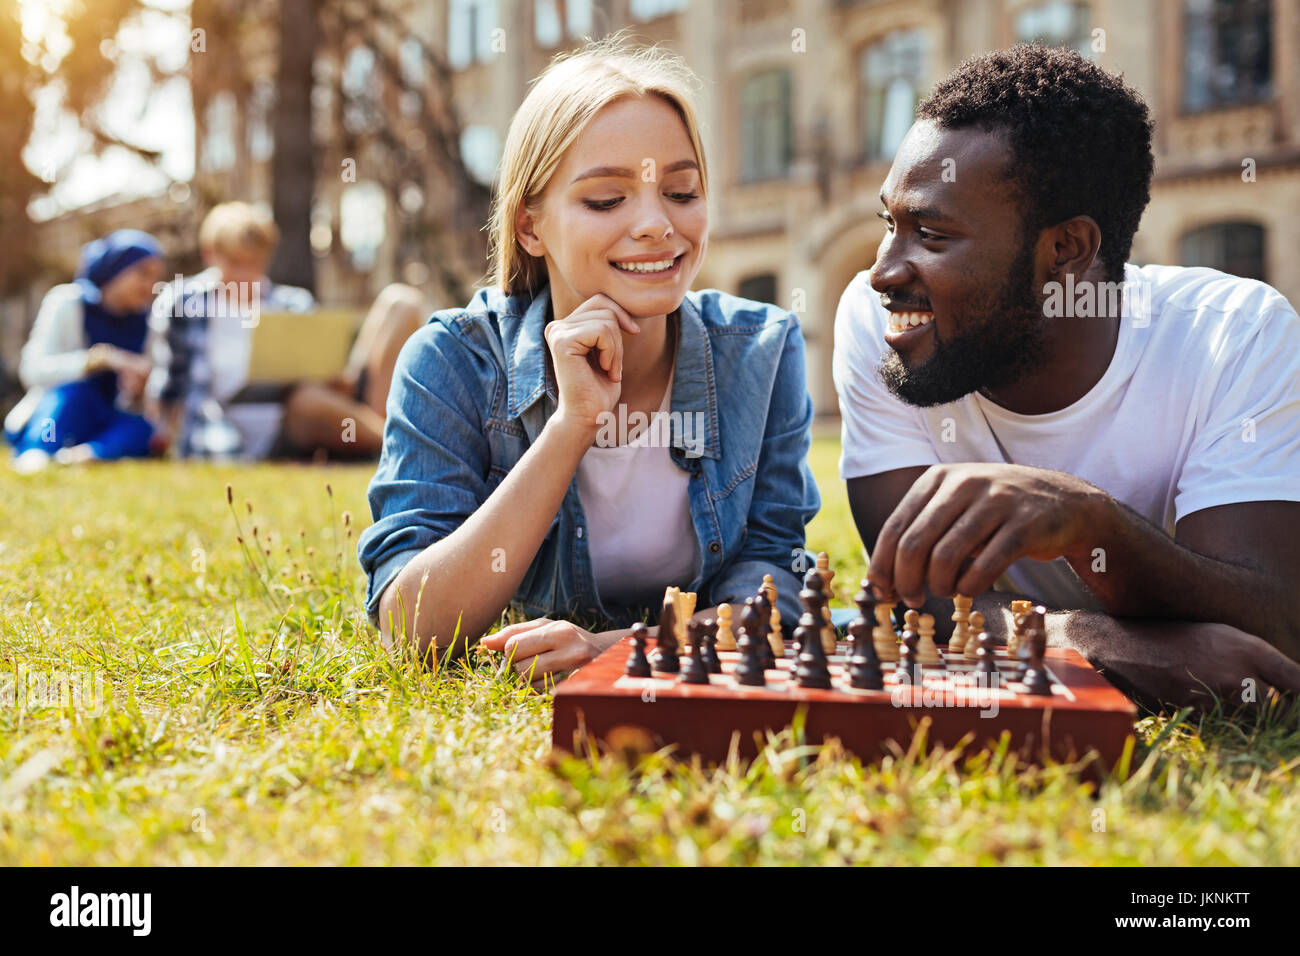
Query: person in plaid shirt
[(202, 337)]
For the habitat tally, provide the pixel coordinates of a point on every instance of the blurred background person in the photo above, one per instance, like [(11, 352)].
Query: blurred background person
[(203, 346), (84, 364)]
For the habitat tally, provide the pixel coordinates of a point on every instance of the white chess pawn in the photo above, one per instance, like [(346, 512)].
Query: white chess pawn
[(882, 635), (774, 639), (927, 652), (961, 621), (726, 640)]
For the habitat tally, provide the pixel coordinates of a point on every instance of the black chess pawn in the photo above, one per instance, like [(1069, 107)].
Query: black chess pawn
[(812, 670), (864, 665), (693, 669), (908, 668), (762, 627), (987, 658), (665, 657), (710, 646), (749, 672), (638, 665), (1036, 680)]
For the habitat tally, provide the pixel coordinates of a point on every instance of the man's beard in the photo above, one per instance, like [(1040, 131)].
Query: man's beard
[(995, 352)]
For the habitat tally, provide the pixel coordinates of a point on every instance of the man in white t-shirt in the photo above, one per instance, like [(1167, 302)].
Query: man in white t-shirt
[(1023, 409)]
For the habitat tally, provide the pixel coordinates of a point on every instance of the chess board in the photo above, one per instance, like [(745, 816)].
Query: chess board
[(1083, 712)]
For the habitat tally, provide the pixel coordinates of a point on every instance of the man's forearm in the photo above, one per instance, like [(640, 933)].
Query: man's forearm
[(1135, 570)]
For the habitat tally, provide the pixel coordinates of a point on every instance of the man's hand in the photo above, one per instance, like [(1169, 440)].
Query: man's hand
[(544, 652), (961, 526), (1183, 664)]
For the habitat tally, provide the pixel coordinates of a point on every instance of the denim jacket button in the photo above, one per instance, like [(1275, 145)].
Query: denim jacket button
[(715, 547), (579, 532)]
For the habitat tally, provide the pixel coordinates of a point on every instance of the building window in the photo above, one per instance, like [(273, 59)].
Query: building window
[(219, 122), (1227, 58), (480, 151), (766, 143), (1058, 23), (758, 288), (1233, 247), (553, 20), (363, 216), (653, 9), (261, 142), (892, 75), (471, 25), (359, 82)]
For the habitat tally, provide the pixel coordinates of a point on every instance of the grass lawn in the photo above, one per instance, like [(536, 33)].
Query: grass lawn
[(248, 717)]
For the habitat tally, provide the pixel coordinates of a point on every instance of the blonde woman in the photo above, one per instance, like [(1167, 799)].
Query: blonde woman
[(588, 431)]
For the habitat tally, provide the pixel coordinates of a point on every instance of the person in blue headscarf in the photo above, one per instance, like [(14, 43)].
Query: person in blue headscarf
[(84, 363)]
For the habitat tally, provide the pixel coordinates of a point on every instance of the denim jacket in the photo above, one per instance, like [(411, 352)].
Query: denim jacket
[(472, 390)]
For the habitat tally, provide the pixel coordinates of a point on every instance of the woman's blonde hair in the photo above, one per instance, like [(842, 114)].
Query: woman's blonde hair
[(563, 100)]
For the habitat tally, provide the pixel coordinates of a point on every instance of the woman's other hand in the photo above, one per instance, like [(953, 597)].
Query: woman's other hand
[(544, 651)]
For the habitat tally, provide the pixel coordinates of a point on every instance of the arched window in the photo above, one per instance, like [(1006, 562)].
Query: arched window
[(892, 74), (766, 144), (1233, 247)]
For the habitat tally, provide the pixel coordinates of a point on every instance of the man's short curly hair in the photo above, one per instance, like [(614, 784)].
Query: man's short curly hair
[(1080, 138)]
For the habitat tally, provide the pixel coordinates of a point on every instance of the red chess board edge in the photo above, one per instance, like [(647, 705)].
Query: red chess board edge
[(703, 719)]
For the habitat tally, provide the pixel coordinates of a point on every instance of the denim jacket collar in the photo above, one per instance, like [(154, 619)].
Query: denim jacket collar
[(529, 377)]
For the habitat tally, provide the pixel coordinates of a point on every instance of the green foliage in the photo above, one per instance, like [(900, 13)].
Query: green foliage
[(249, 716)]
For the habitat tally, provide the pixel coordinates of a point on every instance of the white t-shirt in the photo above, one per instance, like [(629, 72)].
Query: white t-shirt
[(640, 535), (1200, 407)]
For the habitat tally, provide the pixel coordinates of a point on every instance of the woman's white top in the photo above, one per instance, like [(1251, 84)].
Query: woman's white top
[(639, 530)]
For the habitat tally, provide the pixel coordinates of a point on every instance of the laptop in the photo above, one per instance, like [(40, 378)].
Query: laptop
[(290, 347)]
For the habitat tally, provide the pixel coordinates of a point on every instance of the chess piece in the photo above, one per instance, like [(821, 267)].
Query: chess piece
[(883, 635), (761, 627), (824, 570), (711, 662), (1033, 620), (726, 639), (927, 652), (864, 667), (984, 649), (812, 670), (693, 669), (961, 623), (683, 609), (665, 657), (774, 639), (749, 672), (828, 629), (1035, 679), (638, 665), (908, 670), (1019, 609), (865, 601)]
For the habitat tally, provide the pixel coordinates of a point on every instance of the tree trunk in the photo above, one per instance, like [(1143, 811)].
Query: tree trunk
[(293, 166)]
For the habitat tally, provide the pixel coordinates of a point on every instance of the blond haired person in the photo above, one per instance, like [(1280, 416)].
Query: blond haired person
[(502, 482), (202, 351)]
